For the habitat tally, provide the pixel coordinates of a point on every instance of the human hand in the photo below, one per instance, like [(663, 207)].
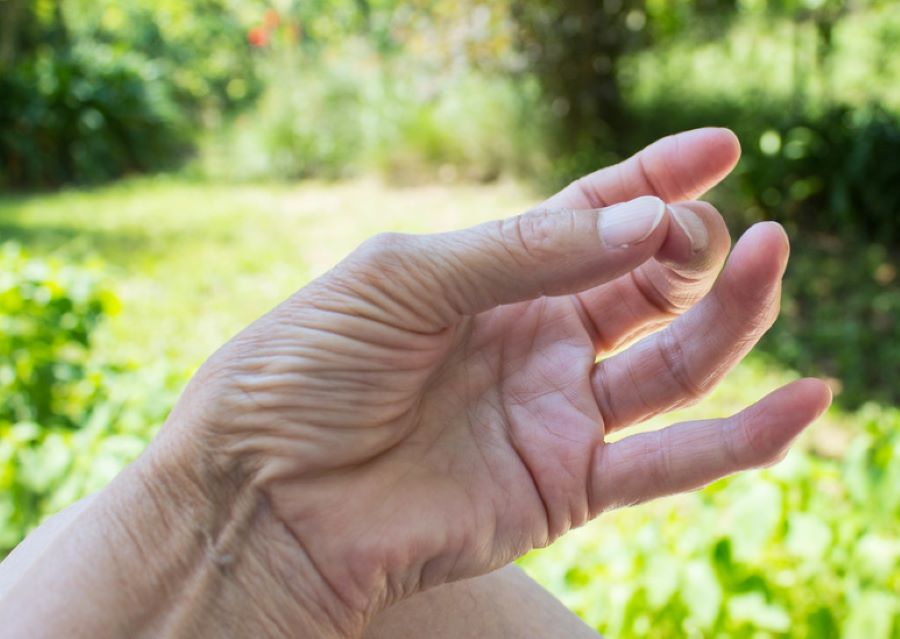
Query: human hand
[(431, 408)]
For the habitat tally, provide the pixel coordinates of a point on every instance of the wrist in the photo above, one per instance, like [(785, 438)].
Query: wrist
[(171, 548), (230, 567)]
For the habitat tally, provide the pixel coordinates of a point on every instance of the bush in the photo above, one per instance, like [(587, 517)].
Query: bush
[(87, 116), (355, 111), (839, 317), (831, 172), (93, 91), (68, 424), (48, 312), (305, 125)]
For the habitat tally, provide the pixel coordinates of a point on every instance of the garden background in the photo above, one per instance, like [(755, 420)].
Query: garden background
[(170, 169)]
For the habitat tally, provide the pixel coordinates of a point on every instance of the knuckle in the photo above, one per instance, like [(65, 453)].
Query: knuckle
[(675, 361), (586, 186), (657, 461), (760, 448), (389, 252), (381, 261), (536, 232), (662, 301), (387, 244)]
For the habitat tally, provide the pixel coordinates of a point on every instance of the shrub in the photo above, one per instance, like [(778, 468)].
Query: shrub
[(67, 423), (48, 312), (338, 117), (96, 90), (86, 116), (832, 171)]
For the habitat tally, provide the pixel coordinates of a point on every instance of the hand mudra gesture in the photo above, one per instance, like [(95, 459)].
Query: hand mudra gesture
[(433, 407)]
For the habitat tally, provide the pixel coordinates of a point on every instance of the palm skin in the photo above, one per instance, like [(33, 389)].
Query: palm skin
[(413, 419)]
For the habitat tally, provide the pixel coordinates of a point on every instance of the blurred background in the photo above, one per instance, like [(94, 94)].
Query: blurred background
[(170, 169)]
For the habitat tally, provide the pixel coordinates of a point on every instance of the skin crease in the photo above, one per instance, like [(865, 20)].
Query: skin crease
[(431, 409)]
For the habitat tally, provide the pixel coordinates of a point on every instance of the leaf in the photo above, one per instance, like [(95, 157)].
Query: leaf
[(702, 594), (808, 536), (756, 515), (661, 579), (753, 610), (871, 616)]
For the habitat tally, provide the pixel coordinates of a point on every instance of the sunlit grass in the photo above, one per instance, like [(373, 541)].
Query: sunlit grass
[(194, 262)]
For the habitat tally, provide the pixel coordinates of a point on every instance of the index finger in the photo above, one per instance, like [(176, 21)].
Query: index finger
[(678, 167)]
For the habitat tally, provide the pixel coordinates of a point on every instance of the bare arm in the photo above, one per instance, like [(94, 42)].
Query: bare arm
[(504, 603)]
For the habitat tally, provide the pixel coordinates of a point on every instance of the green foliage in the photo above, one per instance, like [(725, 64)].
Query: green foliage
[(198, 48), (87, 115), (67, 423), (574, 50), (839, 317), (829, 173), (48, 311), (307, 124), (820, 171), (810, 548), (96, 90), (819, 120), (357, 111)]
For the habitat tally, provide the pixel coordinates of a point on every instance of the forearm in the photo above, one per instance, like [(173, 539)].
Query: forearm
[(155, 556), (501, 604)]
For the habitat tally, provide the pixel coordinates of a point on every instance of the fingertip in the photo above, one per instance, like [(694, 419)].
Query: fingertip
[(760, 255), (799, 403), (774, 231), (698, 239), (815, 395), (717, 150), (774, 422), (634, 225), (728, 143)]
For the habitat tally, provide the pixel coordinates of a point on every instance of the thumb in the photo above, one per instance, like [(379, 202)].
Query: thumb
[(439, 278)]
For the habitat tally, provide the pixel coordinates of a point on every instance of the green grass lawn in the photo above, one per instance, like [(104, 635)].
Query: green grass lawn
[(793, 551), (205, 259)]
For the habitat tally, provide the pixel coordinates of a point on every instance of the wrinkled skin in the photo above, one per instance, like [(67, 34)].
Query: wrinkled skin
[(431, 408)]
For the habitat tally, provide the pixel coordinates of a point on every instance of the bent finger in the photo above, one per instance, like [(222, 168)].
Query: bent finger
[(664, 287), (683, 362)]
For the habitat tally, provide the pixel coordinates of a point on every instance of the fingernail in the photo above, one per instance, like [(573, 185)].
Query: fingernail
[(631, 222), (692, 225)]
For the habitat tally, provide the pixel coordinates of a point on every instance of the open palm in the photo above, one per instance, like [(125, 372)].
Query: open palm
[(433, 407)]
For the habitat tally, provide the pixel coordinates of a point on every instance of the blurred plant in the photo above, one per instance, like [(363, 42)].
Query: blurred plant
[(48, 311), (574, 49), (831, 171), (839, 317), (395, 91), (94, 90), (67, 423), (86, 115)]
